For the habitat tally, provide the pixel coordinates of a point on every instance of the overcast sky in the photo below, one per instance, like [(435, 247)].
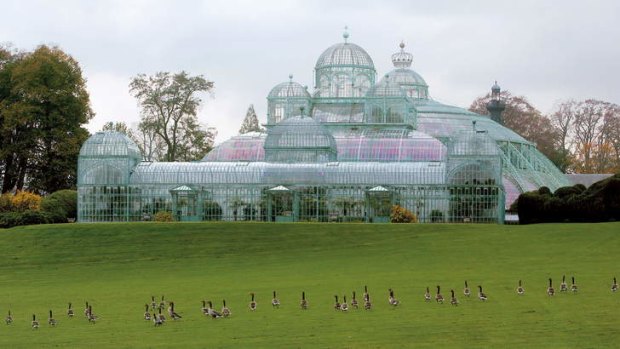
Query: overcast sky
[(548, 51)]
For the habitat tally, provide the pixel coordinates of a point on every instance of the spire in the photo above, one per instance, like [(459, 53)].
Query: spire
[(402, 59), (345, 35), (495, 105)]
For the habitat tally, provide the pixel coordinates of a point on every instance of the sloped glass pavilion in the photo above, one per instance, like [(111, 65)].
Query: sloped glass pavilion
[(348, 151)]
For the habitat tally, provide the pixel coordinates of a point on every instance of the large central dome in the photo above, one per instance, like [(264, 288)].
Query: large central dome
[(345, 54)]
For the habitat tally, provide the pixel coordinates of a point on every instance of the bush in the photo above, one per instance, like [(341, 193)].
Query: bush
[(163, 216), (23, 201), (213, 211), (28, 217), (6, 202), (400, 214), (62, 203), (436, 216)]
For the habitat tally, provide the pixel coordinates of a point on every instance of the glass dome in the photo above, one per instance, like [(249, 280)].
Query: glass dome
[(299, 139), (286, 100), (289, 89), (344, 54), (386, 88), (245, 147), (108, 144)]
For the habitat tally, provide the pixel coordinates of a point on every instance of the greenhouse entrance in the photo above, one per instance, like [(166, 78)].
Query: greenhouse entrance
[(282, 204), (185, 204), (378, 204)]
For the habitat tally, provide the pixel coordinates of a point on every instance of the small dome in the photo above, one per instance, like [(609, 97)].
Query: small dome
[(495, 88), (299, 139), (345, 54), (402, 59), (110, 144), (386, 88), (405, 77), (289, 89), (245, 147)]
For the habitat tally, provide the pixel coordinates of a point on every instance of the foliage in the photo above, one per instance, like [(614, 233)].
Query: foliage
[(43, 106), (169, 104), (213, 211), (62, 202), (399, 214), (6, 202), (48, 266), (437, 216), (250, 123), (28, 217), (163, 216), (24, 201), (523, 118), (600, 202)]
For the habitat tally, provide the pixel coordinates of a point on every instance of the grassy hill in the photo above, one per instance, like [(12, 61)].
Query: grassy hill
[(118, 267)]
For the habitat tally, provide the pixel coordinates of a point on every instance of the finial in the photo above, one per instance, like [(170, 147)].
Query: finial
[(402, 45), (345, 35), (290, 77)]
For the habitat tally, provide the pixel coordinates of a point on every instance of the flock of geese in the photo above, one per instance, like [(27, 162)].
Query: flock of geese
[(154, 311)]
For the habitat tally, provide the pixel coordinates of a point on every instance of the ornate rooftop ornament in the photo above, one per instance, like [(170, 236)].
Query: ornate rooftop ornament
[(402, 59)]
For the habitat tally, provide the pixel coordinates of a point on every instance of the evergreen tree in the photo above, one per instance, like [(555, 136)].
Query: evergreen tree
[(250, 123)]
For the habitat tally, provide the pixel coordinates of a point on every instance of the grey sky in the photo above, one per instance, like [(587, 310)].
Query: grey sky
[(548, 51)]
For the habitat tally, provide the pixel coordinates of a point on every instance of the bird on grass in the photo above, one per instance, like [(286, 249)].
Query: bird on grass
[(9, 318), (51, 321), (252, 302), (573, 286), (550, 289), (86, 310), (391, 299), (162, 304), (35, 323), (147, 314), (344, 306), (156, 320), (70, 312), (453, 299), (466, 290), (204, 308), (438, 296), (225, 311), (275, 302), (481, 295), (367, 304), (427, 295), (336, 304), (354, 303), (92, 318), (211, 312), (366, 296), (614, 286), (173, 315), (304, 302), (563, 287), (153, 303), (161, 317), (520, 289)]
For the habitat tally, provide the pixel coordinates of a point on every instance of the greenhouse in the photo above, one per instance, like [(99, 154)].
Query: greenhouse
[(350, 151)]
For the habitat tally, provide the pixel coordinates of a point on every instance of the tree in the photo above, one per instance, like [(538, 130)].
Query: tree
[(43, 105), (589, 134), (169, 105), (250, 123), (523, 118)]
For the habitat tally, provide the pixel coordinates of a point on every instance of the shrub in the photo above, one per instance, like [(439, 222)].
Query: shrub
[(163, 216), (62, 203), (6, 202), (436, 216), (400, 214), (213, 211), (23, 201), (28, 217)]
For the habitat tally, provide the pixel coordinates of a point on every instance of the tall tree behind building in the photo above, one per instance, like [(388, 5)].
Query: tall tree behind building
[(250, 122), (169, 106), (524, 119), (43, 106)]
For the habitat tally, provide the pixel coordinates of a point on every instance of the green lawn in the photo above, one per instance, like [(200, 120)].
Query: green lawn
[(118, 267)]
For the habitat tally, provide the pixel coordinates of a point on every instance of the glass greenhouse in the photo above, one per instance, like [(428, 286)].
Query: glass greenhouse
[(348, 152)]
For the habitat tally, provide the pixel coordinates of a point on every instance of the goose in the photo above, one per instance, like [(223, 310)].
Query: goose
[(337, 304), (225, 311), (9, 318), (211, 312), (573, 286), (161, 316), (156, 320), (614, 286), (92, 318), (344, 306), (427, 295), (51, 321), (252, 303), (393, 301), (563, 287), (366, 296), (147, 315), (438, 296), (304, 302), (153, 303), (35, 323), (162, 304), (481, 295), (466, 290), (70, 311), (173, 315), (453, 299), (520, 289), (204, 308), (354, 303), (86, 310), (275, 302), (367, 304), (550, 290)]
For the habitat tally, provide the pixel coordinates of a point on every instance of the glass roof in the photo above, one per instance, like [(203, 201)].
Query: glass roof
[(110, 144), (344, 54), (299, 139), (246, 147), (289, 89), (406, 77)]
